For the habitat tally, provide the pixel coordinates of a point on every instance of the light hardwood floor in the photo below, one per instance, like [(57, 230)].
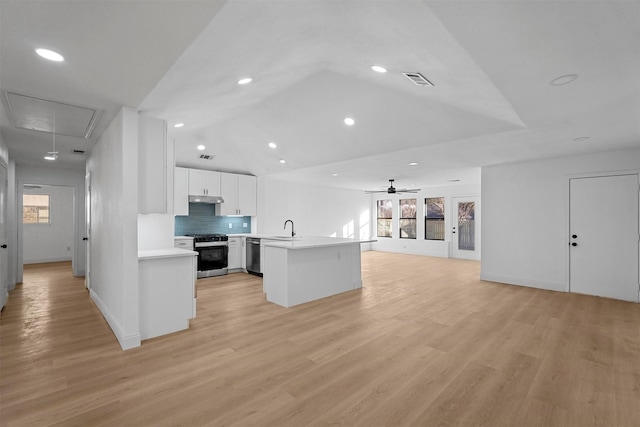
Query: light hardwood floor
[(424, 343)]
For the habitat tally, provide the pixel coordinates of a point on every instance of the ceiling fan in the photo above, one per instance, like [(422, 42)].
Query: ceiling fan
[(394, 190)]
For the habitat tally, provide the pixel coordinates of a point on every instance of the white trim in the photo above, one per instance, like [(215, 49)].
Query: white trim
[(126, 342), (520, 281), (45, 260)]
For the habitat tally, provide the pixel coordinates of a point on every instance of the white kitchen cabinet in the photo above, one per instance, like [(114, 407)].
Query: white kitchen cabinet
[(243, 253), (247, 196), (167, 280), (239, 194), (235, 253), (181, 191), (204, 183), (153, 170)]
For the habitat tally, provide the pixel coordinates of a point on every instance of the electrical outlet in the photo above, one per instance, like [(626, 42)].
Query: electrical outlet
[(68, 248), (230, 225), (244, 225)]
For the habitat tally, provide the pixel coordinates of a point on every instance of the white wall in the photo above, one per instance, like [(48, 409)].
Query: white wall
[(54, 241), (113, 165), (73, 178), (525, 216), (315, 210), (419, 245), (4, 151), (155, 231)]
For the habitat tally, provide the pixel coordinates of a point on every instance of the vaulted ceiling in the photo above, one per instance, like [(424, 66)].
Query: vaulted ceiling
[(496, 96)]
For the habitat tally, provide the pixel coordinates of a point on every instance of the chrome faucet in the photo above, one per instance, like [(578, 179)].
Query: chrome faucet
[(293, 233)]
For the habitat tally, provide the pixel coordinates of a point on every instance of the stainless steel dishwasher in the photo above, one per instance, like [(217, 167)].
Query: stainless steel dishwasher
[(253, 256)]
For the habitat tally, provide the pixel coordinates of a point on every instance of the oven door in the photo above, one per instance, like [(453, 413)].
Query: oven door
[(212, 260)]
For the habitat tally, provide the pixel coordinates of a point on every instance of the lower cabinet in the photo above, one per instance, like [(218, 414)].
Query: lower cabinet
[(167, 286), (235, 253)]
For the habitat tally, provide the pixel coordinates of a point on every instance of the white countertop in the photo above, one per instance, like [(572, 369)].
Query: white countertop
[(312, 242), (165, 253)]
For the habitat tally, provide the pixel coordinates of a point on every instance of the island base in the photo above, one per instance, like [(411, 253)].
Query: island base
[(297, 276)]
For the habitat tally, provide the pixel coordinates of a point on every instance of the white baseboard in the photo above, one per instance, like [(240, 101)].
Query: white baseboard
[(45, 260), (519, 281), (126, 342)]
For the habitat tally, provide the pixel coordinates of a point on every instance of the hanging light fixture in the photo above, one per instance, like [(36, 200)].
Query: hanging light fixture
[(53, 154)]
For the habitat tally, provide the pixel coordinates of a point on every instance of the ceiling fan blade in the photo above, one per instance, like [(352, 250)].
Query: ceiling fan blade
[(375, 191)]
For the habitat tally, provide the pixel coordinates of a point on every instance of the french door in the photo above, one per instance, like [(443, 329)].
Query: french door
[(603, 236), (465, 232)]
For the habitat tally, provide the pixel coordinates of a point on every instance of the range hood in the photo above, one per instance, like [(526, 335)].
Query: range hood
[(206, 199)]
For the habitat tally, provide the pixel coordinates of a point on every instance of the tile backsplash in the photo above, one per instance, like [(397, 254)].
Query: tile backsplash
[(202, 220)]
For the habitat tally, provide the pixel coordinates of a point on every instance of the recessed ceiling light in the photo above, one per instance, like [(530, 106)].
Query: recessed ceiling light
[(272, 145), (50, 157), (201, 147), (349, 121), (378, 69), (50, 55), (563, 80), (334, 174), (412, 164), (244, 81), (178, 125), (283, 161), (453, 180), (581, 138)]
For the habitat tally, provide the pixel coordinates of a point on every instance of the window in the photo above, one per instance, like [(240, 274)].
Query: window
[(407, 218), (385, 215), (434, 218), (35, 209)]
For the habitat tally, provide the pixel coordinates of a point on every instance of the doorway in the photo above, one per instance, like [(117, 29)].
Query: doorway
[(603, 236), (52, 242), (465, 231), (4, 253)]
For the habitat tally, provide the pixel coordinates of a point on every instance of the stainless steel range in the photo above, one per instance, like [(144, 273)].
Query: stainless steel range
[(213, 254)]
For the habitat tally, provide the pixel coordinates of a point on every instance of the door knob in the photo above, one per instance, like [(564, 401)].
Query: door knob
[(85, 238), (574, 236), (574, 244), (3, 246)]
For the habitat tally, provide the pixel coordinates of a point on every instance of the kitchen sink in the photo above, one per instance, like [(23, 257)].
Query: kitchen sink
[(283, 238)]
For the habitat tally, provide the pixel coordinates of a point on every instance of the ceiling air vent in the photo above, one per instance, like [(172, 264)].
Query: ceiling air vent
[(206, 156), (78, 152), (418, 79)]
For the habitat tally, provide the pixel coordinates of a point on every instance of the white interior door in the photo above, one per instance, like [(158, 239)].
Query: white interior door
[(4, 253), (87, 236), (465, 235), (603, 236)]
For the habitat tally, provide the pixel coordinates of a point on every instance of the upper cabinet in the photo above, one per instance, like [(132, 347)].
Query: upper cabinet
[(181, 191), (239, 194), (204, 183), (155, 166)]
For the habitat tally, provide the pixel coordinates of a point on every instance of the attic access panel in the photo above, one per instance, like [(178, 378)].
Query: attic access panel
[(27, 112)]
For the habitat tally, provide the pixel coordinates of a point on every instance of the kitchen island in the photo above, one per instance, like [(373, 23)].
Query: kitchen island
[(300, 270)]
